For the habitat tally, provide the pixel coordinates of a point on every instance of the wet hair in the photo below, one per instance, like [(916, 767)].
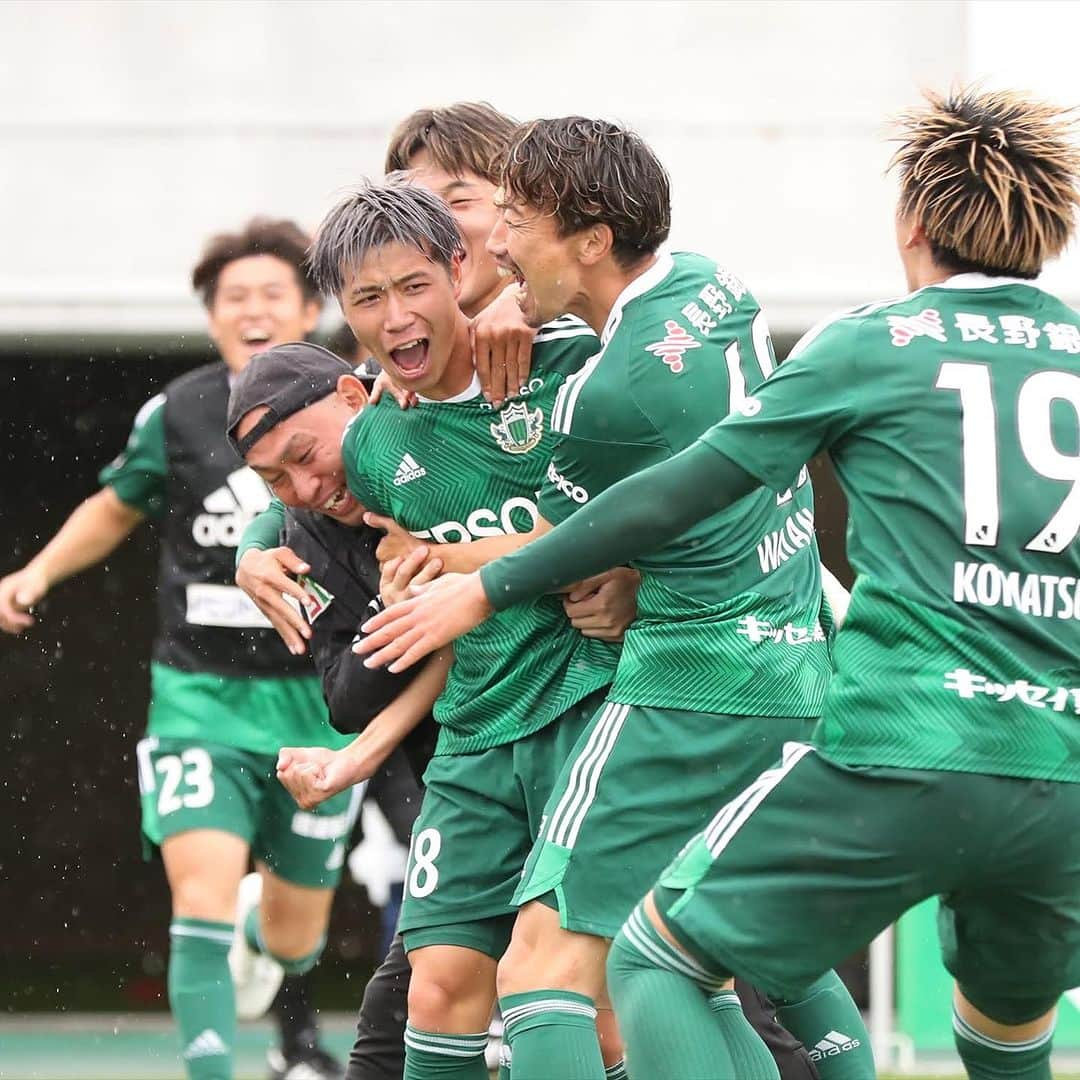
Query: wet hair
[(992, 178), (379, 214), (469, 137), (585, 172), (281, 238)]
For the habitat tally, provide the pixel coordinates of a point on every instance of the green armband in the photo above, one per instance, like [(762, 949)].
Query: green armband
[(636, 516), (264, 531)]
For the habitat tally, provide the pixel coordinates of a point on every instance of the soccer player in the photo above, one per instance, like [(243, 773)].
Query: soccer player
[(729, 656), (518, 695), (452, 151), (952, 416), (225, 694), (338, 585)]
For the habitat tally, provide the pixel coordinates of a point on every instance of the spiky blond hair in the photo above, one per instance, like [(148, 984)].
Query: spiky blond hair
[(992, 176)]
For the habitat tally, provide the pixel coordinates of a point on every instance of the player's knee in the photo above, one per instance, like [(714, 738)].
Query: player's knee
[(435, 998), (197, 896), (445, 987), (563, 960), (297, 948)]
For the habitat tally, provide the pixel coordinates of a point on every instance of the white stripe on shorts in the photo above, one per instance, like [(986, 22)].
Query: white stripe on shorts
[(719, 832), (584, 776)]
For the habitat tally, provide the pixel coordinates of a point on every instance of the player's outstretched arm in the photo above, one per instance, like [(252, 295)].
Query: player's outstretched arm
[(312, 774), (456, 558), (635, 516), (95, 528)]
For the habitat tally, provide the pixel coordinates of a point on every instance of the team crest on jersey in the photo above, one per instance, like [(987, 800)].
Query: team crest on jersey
[(321, 598), (673, 345), (926, 323), (518, 429)]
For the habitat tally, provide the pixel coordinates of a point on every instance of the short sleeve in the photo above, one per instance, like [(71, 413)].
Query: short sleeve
[(355, 455), (139, 475), (808, 404)]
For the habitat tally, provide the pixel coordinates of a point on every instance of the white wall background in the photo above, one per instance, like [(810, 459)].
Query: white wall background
[(129, 131)]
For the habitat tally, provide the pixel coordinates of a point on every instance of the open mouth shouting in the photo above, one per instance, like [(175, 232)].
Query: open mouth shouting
[(411, 358), (340, 503), (256, 336)]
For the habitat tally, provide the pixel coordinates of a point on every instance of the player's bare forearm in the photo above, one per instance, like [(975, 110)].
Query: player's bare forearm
[(313, 774), (387, 730), (95, 529), (465, 558)]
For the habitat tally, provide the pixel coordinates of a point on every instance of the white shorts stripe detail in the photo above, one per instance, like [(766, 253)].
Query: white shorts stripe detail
[(575, 772), (594, 777), (581, 790), (144, 748), (225, 937), (719, 832)]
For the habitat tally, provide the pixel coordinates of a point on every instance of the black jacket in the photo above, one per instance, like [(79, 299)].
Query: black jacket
[(344, 567)]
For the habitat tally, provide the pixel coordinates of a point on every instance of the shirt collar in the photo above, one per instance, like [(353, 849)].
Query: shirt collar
[(982, 281), (467, 394), (641, 284)]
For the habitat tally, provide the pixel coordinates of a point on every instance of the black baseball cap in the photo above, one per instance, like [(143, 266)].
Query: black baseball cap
[(286, 379)]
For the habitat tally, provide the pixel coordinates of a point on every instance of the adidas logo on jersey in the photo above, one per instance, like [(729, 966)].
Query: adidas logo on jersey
[(836, 1042), (206, 1044), (409, 469), (227, 511)]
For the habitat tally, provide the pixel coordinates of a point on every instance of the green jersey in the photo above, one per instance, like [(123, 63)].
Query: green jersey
[(728, 614), (455, 471), (953, 420)]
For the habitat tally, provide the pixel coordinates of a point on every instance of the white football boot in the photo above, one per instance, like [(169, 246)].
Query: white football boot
[(256, 976)]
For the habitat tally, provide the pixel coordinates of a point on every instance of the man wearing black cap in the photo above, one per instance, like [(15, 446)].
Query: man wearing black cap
[(225, 694)]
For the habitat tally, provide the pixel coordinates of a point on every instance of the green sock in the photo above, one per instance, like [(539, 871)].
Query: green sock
[(201, 996), (430, 1055), (663, 1009), (749, 1055), (617, 1071), (826, 1021), (299, 965), (551, 1033), (989, 1059)]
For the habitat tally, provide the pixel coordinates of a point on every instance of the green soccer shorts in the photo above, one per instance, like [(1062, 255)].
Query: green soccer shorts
[(640, 782), (814, 859), (476, 825), (193, 784)]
